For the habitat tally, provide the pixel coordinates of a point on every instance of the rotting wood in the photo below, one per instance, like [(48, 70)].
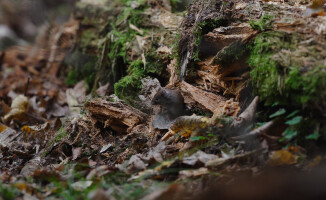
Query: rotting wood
[(120, 117), (206, 100)]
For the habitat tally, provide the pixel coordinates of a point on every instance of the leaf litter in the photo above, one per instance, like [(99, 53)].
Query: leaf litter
[(57, 141)]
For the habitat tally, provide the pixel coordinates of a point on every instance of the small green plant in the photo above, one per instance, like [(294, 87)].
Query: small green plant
[(297, 126), (7, 192), (292, 130), (278, 113), (71, 78), (198, 138), (263, 24)]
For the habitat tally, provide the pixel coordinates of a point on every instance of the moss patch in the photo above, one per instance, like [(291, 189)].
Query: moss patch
[(125, 47), (263, 24), (128, 87), (284, 70), (289, 72)]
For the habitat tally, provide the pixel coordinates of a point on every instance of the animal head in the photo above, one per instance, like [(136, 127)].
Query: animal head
[(161, 97)]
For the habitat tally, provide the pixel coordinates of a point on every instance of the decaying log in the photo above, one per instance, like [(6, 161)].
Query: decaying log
[(206, 100), (120, 117)]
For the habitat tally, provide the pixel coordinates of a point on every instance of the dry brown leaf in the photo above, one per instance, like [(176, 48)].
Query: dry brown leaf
[(76, 152), (315, 162), (19, 107), (6, 135), (30, 130), (199, 156), (193, 173)]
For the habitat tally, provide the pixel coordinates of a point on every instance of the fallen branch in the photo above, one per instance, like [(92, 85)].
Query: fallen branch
[(256, 132), (121, 117)]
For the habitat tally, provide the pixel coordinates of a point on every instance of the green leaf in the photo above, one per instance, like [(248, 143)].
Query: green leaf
[(278, 113), (292, 114), (259, 124), (197, 138), (289, 134), (313, 136), (294, 121)]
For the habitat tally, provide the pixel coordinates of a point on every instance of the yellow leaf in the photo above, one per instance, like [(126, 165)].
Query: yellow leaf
[(27, 130), (186, 125), (282, 157), (36, 129), (2, 128)]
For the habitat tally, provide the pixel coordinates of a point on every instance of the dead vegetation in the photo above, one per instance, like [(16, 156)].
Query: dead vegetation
[(77, 118)]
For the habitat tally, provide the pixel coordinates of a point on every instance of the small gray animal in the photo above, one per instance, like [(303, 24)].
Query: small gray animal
[(171, 101)]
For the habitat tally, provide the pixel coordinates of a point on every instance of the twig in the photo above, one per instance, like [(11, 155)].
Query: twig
[(27, 85)]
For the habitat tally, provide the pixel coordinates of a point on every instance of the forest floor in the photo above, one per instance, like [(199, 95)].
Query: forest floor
[(68, 132)]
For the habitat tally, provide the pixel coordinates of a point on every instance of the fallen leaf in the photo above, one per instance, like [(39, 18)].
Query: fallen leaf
[(76, 152), (135, 163), (81, 185), (315, 162), (19, 107), (98, 194), (7, 135), (4, 108), (105, 147), (282, 157), (164, 50), (104, 90), (31, 166), (171, 192), (35, 129), (193, 173), (75, 97), (199, 156)]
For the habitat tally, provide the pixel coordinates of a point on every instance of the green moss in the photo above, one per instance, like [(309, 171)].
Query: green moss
[(278, 72), (128, 87), (263, 24), (290, 74), (71, 78), (155, 64), (88, 39), (7, 192)]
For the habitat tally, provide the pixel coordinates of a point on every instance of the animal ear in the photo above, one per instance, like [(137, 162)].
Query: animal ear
[(160, 89), (163, 92)]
